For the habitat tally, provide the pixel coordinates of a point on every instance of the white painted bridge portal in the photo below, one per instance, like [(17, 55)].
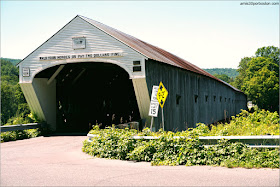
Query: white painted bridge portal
[(81, 41)]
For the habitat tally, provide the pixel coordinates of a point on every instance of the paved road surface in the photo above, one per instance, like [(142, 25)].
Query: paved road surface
[(59, 161)]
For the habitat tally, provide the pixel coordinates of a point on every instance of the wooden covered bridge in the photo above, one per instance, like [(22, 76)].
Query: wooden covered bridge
[(89, 73)]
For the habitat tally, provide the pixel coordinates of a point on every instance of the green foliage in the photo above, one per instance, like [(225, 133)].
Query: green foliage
[(259, 78), (34, 117), (261, 83), (260, 122), (170, 150), (14, 109), (143, 151), (111, 143), (13, 103), (8, 71), (8, 101), (20, 134), (269, 52), (232, 73), (200, 130), (242, 72), (29, 118), (239, 155), (224, 77), (13, 61)]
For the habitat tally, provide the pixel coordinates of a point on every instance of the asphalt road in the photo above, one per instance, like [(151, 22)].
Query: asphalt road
[(59, 161)]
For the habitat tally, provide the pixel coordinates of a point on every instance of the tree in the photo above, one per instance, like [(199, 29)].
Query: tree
[(242, 72), (224, 77), (8, 101), (269, 52), (232, 73), (259, 78), (13, 102), (261, 84)]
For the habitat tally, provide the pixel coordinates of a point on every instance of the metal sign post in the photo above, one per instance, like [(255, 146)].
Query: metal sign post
[(161, 97), (152, 123), (162, 119)]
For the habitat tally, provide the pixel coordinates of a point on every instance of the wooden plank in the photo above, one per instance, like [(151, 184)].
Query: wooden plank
[(80, 74), (55, 74)]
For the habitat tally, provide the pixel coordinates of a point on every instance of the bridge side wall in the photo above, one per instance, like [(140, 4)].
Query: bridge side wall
[(192, 98)]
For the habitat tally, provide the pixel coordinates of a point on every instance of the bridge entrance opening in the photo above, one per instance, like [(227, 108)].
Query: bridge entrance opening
[(92, 93)]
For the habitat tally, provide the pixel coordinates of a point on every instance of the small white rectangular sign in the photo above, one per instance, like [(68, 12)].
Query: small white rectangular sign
[(154, 93), (25, 72), (153, 111)]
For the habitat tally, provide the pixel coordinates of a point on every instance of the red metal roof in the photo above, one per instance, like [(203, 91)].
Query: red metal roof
[(149, 50)]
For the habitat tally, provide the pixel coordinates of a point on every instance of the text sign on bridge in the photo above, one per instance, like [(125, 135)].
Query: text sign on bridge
[(153, 111), (161, 94)]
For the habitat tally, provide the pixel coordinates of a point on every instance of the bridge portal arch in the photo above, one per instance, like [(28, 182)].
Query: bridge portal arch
[(73, 96)]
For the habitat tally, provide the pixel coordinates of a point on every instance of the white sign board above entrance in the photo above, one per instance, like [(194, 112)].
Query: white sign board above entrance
[(154, 102), (78, 56)]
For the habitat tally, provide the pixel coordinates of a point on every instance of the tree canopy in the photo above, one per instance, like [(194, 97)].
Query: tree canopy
[(232, 73), (224, 77), (259, 78), (12, 99)]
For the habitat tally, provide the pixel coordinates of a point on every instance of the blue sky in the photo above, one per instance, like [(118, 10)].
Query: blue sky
[(208, 34)]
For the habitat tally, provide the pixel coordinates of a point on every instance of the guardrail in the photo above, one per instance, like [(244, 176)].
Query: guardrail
[(21, 127), (266, 141)]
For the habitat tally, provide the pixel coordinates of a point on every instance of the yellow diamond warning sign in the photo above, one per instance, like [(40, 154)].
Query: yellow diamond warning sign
[(162, 94)]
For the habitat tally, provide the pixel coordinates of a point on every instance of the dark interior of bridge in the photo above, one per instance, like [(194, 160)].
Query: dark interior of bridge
[(92, 93)]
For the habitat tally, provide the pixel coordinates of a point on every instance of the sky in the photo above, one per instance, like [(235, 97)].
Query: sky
[(209, 34)]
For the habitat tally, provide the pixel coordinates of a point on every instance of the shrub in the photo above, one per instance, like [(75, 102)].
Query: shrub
[(110, 143), (170, 150), (21, 134), (260, 122)]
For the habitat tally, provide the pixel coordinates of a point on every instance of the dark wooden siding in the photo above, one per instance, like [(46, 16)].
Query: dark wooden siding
[(206, 109)]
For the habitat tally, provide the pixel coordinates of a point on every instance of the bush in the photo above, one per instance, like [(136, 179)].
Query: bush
[(111, 143), (170, 150), (260, 122), (21, 134)]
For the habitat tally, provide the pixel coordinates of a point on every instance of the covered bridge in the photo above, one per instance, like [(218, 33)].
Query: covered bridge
[(90, 73)]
